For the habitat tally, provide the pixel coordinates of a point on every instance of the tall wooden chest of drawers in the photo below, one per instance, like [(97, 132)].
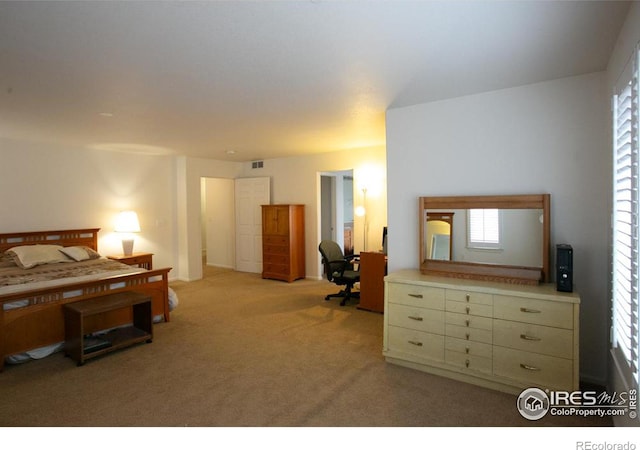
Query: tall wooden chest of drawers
[(501, 336), (283, 242)]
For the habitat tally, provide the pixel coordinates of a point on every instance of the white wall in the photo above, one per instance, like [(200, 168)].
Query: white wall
[(297, 180), (543, 138), (48, 187)]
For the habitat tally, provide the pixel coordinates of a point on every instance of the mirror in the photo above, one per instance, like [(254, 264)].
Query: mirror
[(497, 238), (516, 237), (438, 237)]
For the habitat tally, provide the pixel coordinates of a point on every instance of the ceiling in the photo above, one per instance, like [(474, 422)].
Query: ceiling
[(247, 80)]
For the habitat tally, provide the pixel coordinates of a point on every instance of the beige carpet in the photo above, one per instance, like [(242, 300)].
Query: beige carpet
[(242, 351)]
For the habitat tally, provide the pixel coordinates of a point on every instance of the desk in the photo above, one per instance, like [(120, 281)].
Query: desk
[(373, 268)]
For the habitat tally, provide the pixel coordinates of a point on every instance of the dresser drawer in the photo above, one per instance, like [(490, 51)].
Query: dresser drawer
[(468, 362), (269, 258), (533, 338), (416, 343), (465, 320), (468, 334), (470, 309), (275, 269), (532, 369), (540, 312), (474, 298), (468, 347), (274, 249), (422, 296), (429, 320), (275, 239)]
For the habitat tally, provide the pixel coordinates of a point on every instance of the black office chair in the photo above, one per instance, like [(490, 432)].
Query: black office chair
[(339, 270)]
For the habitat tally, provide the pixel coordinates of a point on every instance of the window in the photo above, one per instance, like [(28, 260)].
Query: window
[(484, 228), (625, 277)]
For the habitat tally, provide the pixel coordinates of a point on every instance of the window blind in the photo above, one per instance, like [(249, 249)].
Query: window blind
[(484, 228), (625, 276)]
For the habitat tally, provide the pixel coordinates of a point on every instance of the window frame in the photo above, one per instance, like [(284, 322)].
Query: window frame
[(625, 223)]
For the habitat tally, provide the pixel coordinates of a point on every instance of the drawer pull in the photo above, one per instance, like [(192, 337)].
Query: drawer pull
[(528, 310), (467, 336), (529, 338), (466, 350), (419, 319), (466, 363), (415, 295), (467, 322), (416, 343), (468, 309), (468, 297), (528, 367)]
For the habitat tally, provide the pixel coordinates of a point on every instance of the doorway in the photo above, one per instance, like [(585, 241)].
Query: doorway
[(231, 225), (218, 223), (336, 208)]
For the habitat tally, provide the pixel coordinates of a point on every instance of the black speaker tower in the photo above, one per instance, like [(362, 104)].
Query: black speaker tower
[(564, 267)]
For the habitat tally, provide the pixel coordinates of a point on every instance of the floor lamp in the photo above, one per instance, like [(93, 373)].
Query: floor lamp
[(361, 211)]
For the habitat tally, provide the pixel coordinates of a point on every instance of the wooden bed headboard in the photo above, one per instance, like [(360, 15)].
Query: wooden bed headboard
[(66, 238)]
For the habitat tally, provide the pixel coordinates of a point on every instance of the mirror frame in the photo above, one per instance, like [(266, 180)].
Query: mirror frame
[(489, 272)]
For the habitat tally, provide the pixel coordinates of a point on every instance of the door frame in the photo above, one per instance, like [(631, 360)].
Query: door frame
[(335, 197)]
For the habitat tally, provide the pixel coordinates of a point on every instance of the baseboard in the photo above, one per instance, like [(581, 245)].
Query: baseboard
[(220, 266)]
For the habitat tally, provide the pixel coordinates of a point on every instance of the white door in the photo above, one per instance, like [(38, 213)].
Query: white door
[(250, 194)]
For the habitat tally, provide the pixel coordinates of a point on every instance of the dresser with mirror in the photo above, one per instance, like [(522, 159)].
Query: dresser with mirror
[(481, 308)]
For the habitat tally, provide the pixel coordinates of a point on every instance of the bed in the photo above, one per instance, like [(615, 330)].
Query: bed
[(31, 309)]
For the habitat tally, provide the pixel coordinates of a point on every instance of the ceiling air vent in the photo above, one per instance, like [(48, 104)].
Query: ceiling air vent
[(257, 164)]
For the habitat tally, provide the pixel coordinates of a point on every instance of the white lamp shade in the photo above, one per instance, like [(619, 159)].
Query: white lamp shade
[(127, 222)]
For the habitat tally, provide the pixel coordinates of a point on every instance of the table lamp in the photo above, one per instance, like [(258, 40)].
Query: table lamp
[(127, 223)]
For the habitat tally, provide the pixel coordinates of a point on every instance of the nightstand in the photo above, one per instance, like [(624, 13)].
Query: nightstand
[(143, 260)]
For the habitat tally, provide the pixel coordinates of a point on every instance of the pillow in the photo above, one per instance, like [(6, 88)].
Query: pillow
[(80, 253), (28, 256), (6, 260)]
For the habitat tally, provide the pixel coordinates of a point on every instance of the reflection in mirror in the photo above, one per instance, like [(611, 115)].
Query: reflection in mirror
[(520, 255), (440, 243), (438, 235), (520, 240)]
